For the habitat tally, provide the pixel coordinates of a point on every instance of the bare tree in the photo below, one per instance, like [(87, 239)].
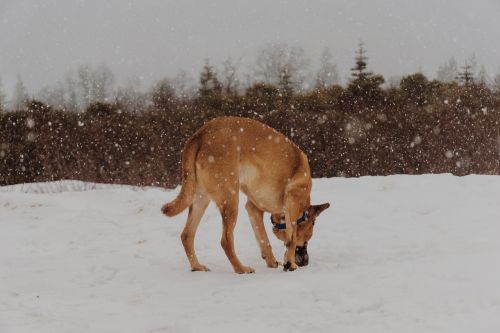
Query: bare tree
[(282, 65), (230, 81), (448, 72), (71, 92), (84, 84), (472, 62), (327, 74), (53, 96), (94, 83), (496, 83), (482, 76), (20, 96), (62, 95), (2, 97), (102, 82), (184, 85), (130, 97), (394, 81)]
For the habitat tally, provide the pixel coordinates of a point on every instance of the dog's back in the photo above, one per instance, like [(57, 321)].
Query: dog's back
[(231, 154)]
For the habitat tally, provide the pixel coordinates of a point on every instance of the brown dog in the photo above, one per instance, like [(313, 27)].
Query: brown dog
[(230, 154)]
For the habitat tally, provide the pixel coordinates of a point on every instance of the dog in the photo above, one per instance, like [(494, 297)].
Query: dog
[(230, 154)]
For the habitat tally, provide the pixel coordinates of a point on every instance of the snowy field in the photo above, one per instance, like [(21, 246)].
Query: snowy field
[(392, 254)]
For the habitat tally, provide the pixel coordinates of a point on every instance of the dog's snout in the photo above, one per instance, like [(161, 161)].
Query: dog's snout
[(301, 256)]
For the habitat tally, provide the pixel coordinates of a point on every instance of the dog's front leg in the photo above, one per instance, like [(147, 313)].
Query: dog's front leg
[(256, 219), (292, 213), (291, 243)]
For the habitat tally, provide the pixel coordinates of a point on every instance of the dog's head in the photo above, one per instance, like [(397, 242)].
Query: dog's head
[(304, 231)]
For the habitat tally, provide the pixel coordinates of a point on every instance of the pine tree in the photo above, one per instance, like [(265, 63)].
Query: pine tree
[(466, 76), (163, 95), (209, 84), (364, 85), (359, 72)]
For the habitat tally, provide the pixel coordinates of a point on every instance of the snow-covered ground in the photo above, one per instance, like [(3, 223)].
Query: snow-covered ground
[(392, 254)]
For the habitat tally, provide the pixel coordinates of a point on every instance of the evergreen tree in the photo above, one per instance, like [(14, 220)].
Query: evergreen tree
[(466, 76), (364, 86), (209, 84), (359, 72), (163, 95), (416, 89)]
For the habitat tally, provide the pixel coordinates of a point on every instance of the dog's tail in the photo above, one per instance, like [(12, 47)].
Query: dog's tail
[(185, 197)]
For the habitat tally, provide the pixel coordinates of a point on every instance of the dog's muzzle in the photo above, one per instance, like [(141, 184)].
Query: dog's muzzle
[(301, 256)]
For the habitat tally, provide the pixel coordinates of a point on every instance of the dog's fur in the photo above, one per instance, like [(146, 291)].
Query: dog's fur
[(230, 154)]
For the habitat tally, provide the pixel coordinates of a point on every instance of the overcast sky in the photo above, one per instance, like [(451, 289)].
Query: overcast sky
[(42, 39)]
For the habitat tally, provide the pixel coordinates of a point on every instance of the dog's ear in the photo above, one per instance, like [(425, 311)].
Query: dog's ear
[(318, 209)]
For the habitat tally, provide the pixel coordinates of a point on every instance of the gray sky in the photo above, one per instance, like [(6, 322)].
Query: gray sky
[(43, 39)]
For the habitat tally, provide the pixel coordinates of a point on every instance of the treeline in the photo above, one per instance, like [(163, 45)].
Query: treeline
[(364, 128)]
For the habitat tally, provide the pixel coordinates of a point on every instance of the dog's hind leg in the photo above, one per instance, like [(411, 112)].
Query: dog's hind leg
[(256, 215), (196, 211), (228, 206)]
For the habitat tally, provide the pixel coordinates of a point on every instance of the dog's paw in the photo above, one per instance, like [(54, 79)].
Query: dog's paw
[(273, 264), (288, 266), (245, 270), (200, 268)]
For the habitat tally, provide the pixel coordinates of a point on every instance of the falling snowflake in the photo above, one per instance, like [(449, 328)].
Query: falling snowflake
[(30, 123)]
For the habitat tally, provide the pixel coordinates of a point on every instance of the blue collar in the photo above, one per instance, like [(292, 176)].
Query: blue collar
[(281, 226)]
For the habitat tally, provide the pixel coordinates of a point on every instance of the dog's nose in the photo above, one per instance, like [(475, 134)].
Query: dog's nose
[(301, 256), (301, 263)]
